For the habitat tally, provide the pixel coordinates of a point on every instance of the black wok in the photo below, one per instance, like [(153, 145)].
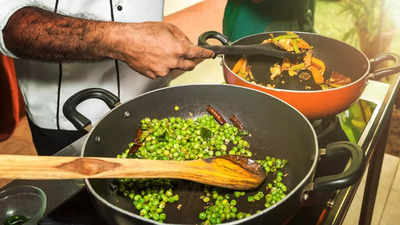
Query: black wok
[(277, 130)]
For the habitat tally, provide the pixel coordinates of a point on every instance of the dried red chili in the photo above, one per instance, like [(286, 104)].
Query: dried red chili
[(218, 117), (136, 145), (236, 122)]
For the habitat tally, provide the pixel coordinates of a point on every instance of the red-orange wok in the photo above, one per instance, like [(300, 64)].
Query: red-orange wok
[(338, 56)]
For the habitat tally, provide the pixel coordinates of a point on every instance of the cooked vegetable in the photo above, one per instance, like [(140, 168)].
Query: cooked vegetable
[(317, 75), (275, 70), (295, 46), (176, 138), (303, 44), (238, 65), (319, 64), (289, 42), (293, 70), (281, 72)]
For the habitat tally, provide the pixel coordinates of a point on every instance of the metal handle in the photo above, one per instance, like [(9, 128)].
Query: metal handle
[(349, 176), (385, 71), (76, 118)]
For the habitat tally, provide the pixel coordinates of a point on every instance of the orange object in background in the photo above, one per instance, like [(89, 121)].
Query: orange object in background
[(11, 108)]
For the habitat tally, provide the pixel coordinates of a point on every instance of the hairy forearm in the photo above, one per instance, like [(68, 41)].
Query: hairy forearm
[(38, 34), (151, 48)]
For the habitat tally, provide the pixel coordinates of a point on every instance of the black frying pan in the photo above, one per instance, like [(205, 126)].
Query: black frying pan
[(277, 130)]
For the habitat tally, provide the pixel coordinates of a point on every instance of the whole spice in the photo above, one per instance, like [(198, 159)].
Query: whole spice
[(136, 143), (218, 117), (236, 122)]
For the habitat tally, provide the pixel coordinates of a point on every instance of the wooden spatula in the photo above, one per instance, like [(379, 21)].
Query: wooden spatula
[(232, 172)]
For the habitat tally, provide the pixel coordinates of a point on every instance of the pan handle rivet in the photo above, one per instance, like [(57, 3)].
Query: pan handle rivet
[(97, 139), (127, 114)]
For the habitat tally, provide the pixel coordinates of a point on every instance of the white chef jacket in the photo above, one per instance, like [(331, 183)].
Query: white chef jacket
[(46, 86)]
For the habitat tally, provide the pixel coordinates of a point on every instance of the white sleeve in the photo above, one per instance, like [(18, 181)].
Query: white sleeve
[(8, 8)]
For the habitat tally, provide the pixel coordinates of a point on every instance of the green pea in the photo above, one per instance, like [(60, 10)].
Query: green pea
[(237, 194), (143, 212), (156, 216), (250, 199), (240, 215), (202, 215), (163, 216)]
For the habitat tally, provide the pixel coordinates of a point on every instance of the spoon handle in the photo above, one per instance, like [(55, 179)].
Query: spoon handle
[(258, 49), (216, 171), (59, 167)]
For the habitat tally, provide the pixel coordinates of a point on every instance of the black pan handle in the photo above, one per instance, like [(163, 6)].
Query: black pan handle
[(202, 41), (212, 35), (76, 118), (385, 71), (348, 177)]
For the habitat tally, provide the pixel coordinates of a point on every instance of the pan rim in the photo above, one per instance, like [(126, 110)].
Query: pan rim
[(301, 184), (355, 82)]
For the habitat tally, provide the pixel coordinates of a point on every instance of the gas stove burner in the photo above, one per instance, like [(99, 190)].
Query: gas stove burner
[(325, 128)]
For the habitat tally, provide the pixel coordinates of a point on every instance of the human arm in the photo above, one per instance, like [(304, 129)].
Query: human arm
[(151, 48)]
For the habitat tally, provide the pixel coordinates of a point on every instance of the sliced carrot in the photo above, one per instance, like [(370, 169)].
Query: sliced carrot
[(303, 44), (318, 63), (267, 41), (238, 65), (243, 68), (317, 75)]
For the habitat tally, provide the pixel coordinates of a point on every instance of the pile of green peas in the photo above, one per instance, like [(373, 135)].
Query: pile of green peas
[(149, 197), (275, 190), (176, 138), (220, 209)]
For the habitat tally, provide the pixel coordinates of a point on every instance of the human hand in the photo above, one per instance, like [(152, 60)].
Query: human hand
[(155, 48)]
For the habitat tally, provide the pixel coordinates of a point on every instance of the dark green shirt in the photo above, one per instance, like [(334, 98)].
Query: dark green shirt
[(242, 17)]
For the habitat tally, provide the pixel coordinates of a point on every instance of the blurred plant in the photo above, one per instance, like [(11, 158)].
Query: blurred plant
[(366, 18)]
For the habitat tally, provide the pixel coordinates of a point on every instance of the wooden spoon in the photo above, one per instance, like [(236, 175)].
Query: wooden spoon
[(233, 172)]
